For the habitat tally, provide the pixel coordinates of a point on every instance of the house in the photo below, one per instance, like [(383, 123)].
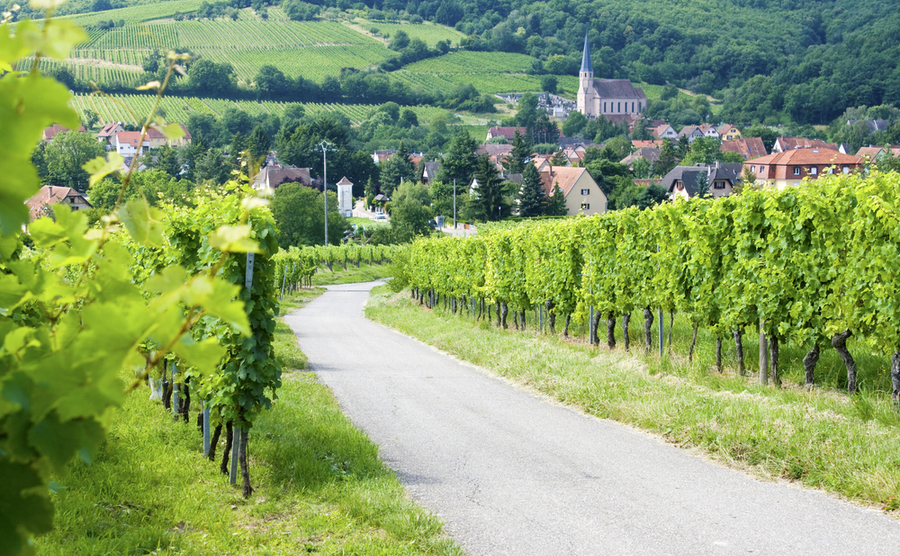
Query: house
[(748, 147), (380, 156), (273, 176), (182, 141), (709, 131), (606, 97), (429, 171), (41, 203), (871, 152), (665, 131), (345, 197), (496, 152), (729, 132), (692, 132), (650, 154), (128, 143), (507, 132), (782, 169), (641, 143), (107, 134), (50, 132), (582, 194), (683, 181), (784, 144)]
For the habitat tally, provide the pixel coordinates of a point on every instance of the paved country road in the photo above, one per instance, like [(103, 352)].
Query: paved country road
[(513, 474)]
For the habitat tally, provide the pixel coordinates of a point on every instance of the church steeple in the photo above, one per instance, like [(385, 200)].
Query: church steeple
[(586, 65), (586, 94)]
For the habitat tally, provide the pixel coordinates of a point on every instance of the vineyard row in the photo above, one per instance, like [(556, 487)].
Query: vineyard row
[(811, 265)]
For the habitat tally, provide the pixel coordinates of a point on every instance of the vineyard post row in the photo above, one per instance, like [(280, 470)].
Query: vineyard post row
[(812, 264), (247, 377)]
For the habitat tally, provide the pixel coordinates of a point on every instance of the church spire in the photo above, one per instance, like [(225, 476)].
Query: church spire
[(586, 56)]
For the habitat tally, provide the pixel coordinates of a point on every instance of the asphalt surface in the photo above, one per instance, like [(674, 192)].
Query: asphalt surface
[(514, 474)]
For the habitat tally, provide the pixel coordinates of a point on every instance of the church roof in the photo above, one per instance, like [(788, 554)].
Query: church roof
[(586, 56), (618, 88)]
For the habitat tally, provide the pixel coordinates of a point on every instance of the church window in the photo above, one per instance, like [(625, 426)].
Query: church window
[(620, 108), (604, 107)]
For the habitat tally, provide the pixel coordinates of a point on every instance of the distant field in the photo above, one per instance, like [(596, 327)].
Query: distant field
[(137, 14), (489, 72), (130, 108), (429, 33), (313, 50)]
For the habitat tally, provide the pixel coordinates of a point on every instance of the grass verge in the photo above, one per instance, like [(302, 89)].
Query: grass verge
[(823, 439), (353, 275), (320, 486)]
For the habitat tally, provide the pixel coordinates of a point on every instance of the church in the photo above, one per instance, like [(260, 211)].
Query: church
[(612, 98)]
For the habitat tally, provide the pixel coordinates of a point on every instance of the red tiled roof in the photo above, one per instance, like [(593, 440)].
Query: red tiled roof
[(779, 166), (748, 147), (50, 195)]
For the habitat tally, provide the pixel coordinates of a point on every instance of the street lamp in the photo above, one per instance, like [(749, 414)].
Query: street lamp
[(325, 146)]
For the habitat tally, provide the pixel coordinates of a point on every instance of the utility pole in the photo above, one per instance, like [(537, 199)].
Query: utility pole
[(325, 146)]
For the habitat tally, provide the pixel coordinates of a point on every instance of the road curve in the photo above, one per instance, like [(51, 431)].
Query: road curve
[(513, 474)]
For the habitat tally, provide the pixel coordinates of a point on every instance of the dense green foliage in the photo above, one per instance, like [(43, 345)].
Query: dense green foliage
[(80, 304)]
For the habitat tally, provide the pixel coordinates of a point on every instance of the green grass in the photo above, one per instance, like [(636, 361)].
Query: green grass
[(823, 439), (429, 33), (320, 487), (353, 275)]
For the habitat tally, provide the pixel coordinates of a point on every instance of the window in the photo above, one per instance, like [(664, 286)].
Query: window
[(813, 171), (796, 171), (585, 191), (585, 206), (640, 107), (604, 107), (632, 107), (620, 107), (753, 168), (846, 169), (719, 185), (762, 168)]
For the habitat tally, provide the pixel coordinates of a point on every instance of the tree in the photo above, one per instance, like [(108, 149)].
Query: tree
[(398, 168), (459, 163), (702, 185), (666, 161), (574, 124), (559, 159), (641, 168), (531, 198), (747, 179), (704, 150), (549, 84), (556, 204), (65, 157), (442, 197), (486, 202), (299, 212), (514, 162), (271, 82), (410, 213), (399, 40), (166, 159), (259, 144), (207, 78)]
